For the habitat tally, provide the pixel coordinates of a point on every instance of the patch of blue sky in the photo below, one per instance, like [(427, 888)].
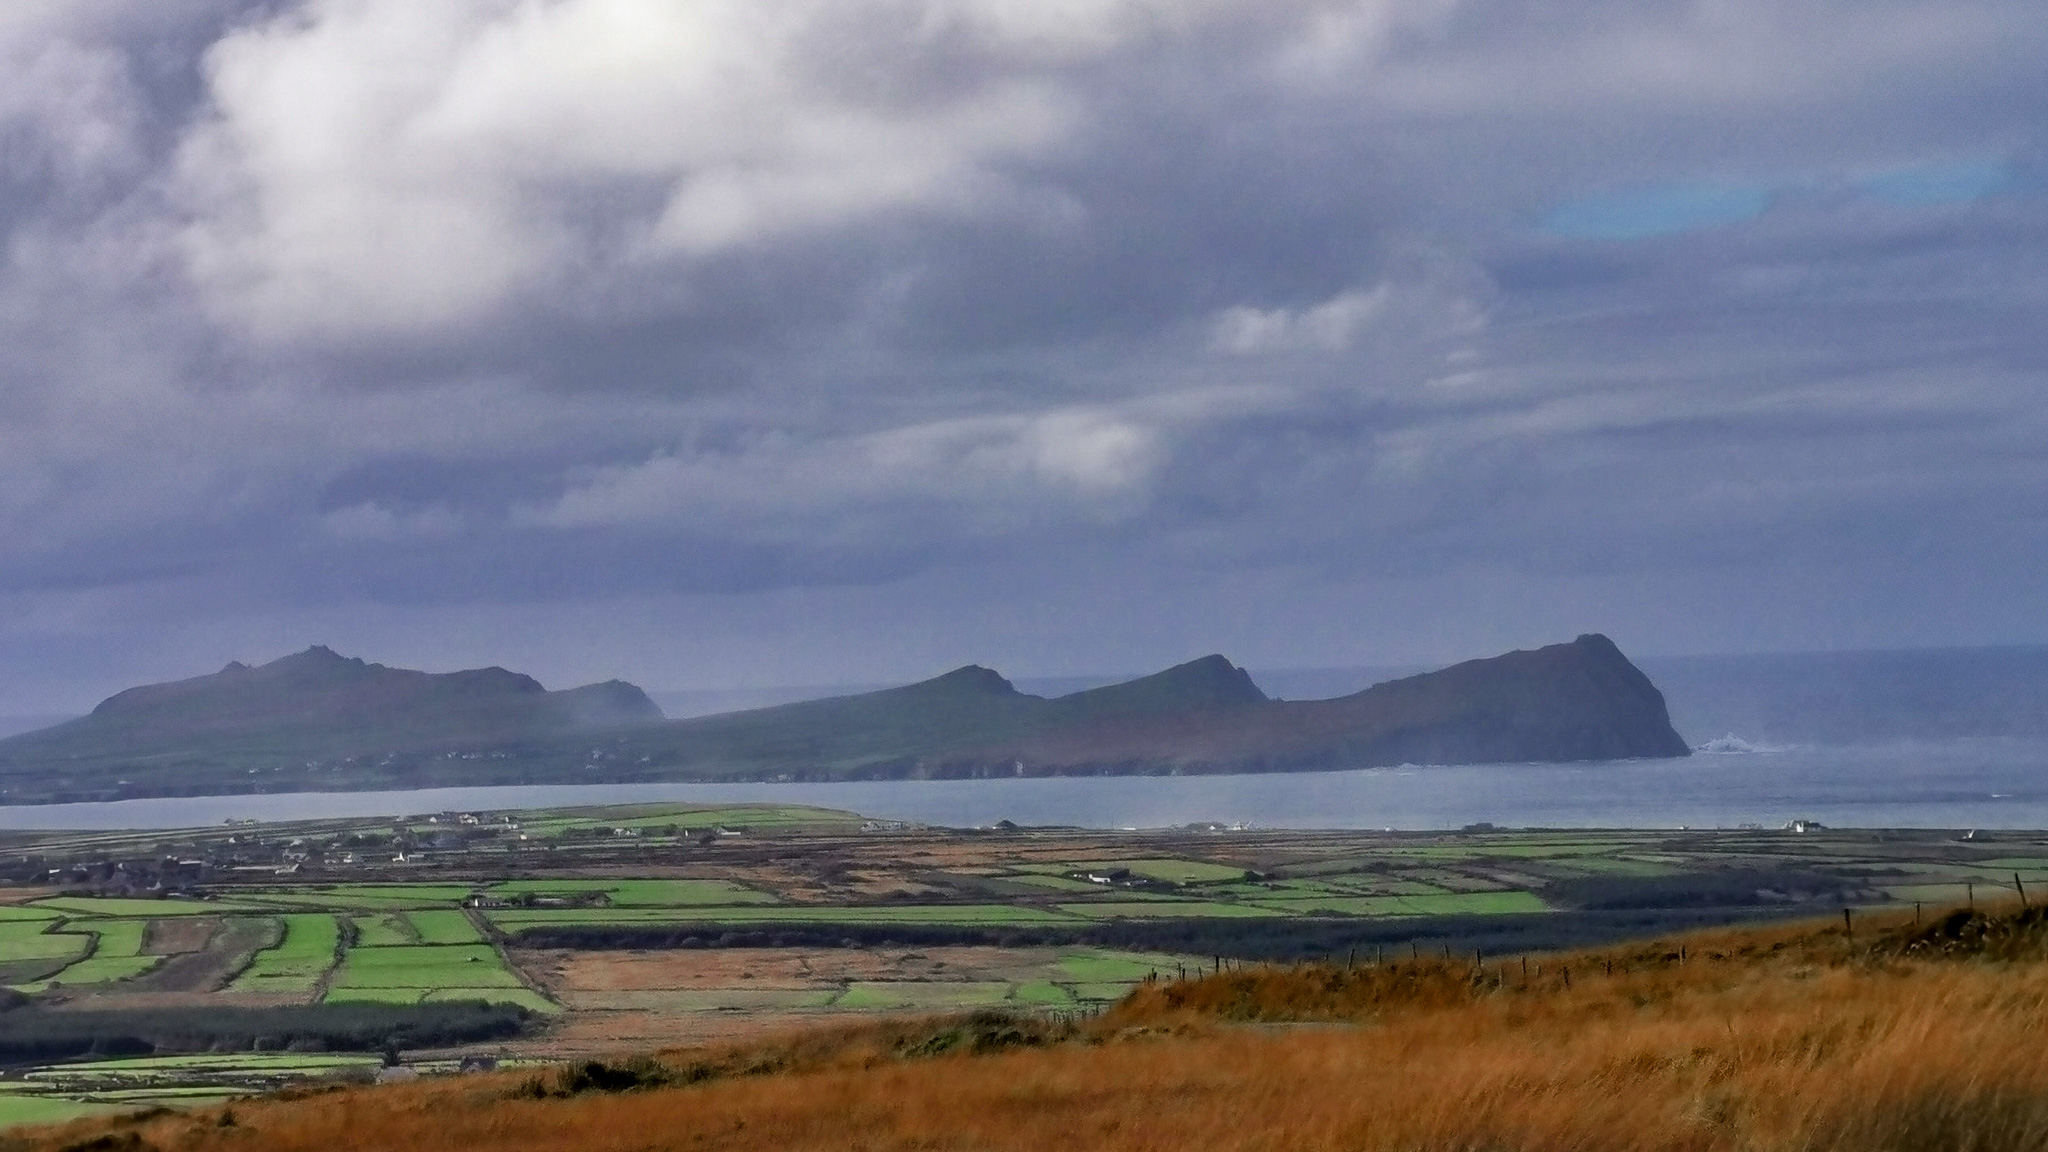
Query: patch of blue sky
[(1659, 211), (1933, 185)]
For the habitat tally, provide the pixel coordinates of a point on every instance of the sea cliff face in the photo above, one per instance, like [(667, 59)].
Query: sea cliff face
[(318, 720)]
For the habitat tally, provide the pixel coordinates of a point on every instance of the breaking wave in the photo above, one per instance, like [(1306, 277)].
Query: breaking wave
[(1733, 745)]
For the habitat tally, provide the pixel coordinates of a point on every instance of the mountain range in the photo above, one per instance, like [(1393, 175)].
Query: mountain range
[(317, 720)]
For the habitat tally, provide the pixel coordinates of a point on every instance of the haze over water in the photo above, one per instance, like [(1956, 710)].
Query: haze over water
[(1951, 783)]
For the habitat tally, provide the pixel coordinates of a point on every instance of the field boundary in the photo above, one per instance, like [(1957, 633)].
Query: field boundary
[(230, 975), (345, 936), (498, 943), (92, 949)]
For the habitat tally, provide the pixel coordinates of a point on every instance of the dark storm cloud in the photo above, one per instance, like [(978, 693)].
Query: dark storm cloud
[(314, 312)]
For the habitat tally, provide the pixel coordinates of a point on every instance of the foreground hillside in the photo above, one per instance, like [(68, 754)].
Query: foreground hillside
[(1902, 1037), (318, 721)]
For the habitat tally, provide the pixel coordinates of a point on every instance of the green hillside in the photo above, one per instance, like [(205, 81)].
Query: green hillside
[(322, 721)]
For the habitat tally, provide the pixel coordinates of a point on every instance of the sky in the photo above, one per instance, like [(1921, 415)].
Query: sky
[(716, 343)]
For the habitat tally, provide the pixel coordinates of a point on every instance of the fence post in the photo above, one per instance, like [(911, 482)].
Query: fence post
[(2022, 890), (1848, 929)]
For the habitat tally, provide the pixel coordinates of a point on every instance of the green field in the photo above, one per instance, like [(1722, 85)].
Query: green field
[(1338, 905), (374, 996), (1476, 904), (1100, 993), (298, 960), (1167, 909), (410, 974), (57, 1092), (444, 928), (722, 999), (1438, 904), (1099, 967), (1053, 883), (368, 897), (116, 953), (1401, 887), (935, 996), (515, 919), (22, 1108), (424, 967), (1171, 871), (524, 997), (32, 940), (156, 1067), (641, 893), (385, 930), (149, 909)]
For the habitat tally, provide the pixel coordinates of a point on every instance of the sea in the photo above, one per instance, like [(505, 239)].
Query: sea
[(1948, 738)]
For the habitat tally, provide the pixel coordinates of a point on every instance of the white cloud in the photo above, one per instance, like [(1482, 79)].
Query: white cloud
[(1426, 298), (376, 167), (1327, 327), (69, 94), (1069, 463), (390, 166)]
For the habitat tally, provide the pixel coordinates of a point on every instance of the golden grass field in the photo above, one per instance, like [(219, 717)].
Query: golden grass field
[(1791, 1037)]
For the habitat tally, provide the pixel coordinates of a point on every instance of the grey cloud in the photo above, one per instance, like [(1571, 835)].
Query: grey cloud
[(312, 311)]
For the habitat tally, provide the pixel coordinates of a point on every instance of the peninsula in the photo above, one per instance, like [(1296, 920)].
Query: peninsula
[(319, 721)]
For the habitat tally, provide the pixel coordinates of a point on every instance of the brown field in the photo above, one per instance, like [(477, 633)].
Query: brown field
[(581, 973), (644, 999), (193, 975), (171, 936), (1792, 1038)]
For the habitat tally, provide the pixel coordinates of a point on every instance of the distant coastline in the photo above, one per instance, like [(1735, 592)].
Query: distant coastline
[(320, 721)]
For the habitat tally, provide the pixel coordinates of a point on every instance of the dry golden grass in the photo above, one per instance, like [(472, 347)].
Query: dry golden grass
[(1783, 1038)]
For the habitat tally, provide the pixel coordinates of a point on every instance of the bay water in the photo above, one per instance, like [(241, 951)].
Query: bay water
[(1956, 782)]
